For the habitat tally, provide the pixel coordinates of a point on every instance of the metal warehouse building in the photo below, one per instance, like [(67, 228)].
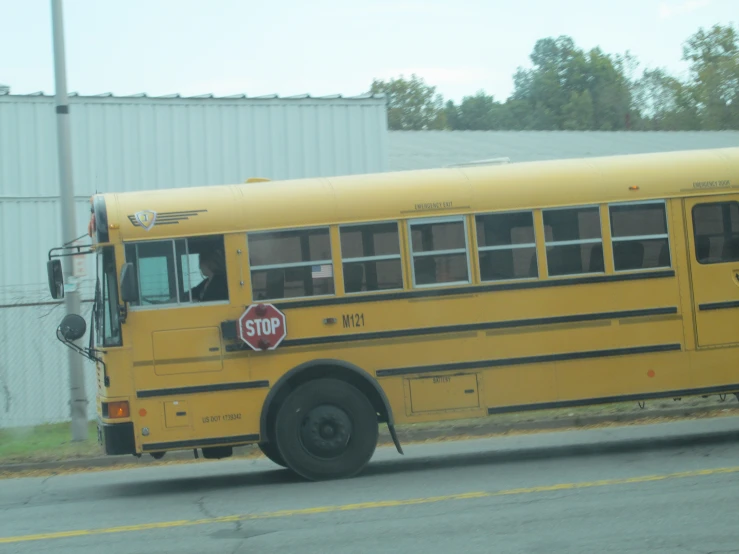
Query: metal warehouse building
[(128, 143)]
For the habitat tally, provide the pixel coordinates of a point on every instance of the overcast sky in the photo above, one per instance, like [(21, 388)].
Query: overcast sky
[(327, 46)]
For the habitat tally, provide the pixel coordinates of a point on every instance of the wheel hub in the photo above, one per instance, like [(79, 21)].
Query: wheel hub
[(326, 431)]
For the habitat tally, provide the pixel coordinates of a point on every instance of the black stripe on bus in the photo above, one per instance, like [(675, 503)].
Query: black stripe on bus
[(718, 305), (481, 364), (610, 399), (240, 439), (471, 289), (202, 388), (479, 326)]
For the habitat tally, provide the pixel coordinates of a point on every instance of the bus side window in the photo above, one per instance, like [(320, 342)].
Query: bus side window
[(181, 271), (639, 235), (154, 263), (439, 251), (597, 264), (370, 255), (291, 264), (506, 246), (573, 241), (716, 231), (202, 269)]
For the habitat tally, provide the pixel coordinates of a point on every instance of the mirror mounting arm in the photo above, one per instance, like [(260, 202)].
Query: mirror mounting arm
[(88, 353), (72, 328), (122, 313)]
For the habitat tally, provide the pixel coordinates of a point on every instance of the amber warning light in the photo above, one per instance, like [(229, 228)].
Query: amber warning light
[(117, 410)]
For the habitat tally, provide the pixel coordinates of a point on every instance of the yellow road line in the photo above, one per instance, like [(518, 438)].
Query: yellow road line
[(368, 505)]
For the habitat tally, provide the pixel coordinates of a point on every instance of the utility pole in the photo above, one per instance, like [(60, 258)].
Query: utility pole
[(77, 396)]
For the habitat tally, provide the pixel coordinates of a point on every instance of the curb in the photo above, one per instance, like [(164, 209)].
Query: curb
[(406, 435)]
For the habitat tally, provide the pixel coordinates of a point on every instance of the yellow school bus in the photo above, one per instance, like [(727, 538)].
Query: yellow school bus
[(299, 315)]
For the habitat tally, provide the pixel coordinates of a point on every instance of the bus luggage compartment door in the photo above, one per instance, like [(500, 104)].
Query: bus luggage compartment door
[(444, 392)]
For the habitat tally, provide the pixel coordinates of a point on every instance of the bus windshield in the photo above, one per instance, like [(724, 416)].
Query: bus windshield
[(107, 324)]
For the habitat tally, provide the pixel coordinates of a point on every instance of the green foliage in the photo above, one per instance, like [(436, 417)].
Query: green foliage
[(714, 76), (664, 103), (568, 88), (478, 113), (412, 104), (46, 443)]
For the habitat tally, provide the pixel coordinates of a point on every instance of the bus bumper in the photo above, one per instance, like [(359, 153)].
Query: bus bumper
[(117, 438)]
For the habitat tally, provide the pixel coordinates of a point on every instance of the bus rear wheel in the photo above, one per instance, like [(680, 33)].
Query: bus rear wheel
[(326, 429), (270, 450)]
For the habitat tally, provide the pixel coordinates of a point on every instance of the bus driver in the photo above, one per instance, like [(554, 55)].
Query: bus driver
[(214, 286)]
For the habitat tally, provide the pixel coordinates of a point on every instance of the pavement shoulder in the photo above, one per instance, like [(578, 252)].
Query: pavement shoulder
[(409, 434)]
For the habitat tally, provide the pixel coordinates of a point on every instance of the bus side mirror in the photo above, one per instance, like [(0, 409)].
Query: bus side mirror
[(56, 278), (72, 327), (129, 286)]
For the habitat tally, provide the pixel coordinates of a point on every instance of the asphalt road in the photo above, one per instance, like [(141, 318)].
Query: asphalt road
[(668, 488)]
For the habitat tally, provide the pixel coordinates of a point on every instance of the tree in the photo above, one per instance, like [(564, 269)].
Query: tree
[(452, 115), (579, 112), (412, 104), (570, 89), (609, 87), (516, 115), (478, 113), (664, 103), (547, 87), (714, 76)]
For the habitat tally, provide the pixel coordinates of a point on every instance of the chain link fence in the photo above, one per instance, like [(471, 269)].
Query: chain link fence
[(34, 373)]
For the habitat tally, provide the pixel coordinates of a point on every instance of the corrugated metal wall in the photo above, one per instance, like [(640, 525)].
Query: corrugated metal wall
[(131, 143), (138, 143)]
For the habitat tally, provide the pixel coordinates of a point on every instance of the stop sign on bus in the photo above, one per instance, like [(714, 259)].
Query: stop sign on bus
[(262, 327)]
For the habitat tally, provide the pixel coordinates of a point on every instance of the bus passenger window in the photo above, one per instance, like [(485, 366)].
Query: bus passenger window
[(573, 241), (291, 264), (506, 246), (439, 251), (716, 232), (639, 235), (181, 271), (370, 255), (202, 269)]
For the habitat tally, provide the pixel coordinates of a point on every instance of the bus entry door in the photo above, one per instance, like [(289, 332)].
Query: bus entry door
[(713, 254)]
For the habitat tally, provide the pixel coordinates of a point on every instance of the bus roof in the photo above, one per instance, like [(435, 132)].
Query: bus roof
[(422, 193)]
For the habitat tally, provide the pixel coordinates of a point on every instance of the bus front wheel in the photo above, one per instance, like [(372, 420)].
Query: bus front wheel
[(326, 429), (269, 449)]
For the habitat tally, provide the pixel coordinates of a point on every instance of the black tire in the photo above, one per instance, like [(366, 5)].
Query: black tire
[(326, 429), (269, 449)]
